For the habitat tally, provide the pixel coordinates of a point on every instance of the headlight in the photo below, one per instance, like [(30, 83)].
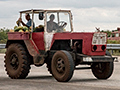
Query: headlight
[(99, 39)]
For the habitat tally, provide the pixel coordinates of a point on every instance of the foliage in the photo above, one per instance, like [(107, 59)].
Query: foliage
[(108, 32), (2, 50), (113, 41), (3, 35)]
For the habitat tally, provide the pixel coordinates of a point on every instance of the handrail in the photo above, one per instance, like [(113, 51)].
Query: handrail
[(2, 46)]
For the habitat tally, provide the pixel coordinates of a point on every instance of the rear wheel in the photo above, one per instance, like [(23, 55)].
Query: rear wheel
[(48, 63), (17, 63), (103, 70), (62, 66)]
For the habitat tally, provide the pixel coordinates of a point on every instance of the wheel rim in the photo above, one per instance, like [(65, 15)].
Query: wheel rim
[(60, 66), (100, 67), (14, 61)]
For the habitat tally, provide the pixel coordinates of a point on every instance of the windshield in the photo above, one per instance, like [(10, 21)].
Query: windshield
[(58, 22)]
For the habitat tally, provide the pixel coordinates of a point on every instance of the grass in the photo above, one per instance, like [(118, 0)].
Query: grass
[(115, 52), (113, 41), (2, 50)]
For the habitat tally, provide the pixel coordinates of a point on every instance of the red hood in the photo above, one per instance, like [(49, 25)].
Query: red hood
[(86, 41)]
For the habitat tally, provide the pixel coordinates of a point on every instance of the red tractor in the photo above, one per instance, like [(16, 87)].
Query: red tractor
[(56, 45)]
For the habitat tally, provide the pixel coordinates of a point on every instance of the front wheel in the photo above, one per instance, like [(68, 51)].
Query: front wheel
[(62, 66), (103, 70)]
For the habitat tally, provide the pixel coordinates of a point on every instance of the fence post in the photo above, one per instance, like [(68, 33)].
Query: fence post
[(112, 52)]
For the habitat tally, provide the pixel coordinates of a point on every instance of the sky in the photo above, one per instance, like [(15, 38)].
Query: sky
[(87, 14)]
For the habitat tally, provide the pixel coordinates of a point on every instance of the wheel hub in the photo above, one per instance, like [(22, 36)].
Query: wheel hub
[(60, 65), (100, 67), (14, 61)]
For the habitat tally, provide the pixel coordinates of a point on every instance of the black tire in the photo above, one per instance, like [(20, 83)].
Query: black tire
[(48, 60), (62, 66), (48, 63), (103, 70), (49, 67), (16, 61)]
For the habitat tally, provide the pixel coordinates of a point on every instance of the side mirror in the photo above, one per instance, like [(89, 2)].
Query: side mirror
[(41, 15)]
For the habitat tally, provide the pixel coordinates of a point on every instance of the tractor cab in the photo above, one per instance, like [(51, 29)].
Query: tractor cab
[(47, 23), (50, 21)]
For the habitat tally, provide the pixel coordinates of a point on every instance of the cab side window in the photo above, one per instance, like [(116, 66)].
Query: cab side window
[(39, 24)]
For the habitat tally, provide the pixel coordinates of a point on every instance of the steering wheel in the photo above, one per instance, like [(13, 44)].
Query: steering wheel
[(62, 24)]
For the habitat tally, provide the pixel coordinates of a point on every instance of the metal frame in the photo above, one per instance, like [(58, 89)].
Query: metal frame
[(35, 11)]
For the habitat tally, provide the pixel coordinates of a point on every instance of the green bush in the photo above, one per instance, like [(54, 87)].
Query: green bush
[(3, 35), (113, 41), (2, 50)]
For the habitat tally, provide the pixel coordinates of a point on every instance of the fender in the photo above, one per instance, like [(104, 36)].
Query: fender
[(34, 52), (32, 49)]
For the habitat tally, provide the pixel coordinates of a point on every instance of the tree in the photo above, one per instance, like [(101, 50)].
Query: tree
[(3, 35), (108, 32)]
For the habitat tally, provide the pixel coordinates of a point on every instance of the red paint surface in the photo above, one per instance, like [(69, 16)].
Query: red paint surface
[(38, 38), (87, 41), (99, 48), (18, 35), (34, 46)]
